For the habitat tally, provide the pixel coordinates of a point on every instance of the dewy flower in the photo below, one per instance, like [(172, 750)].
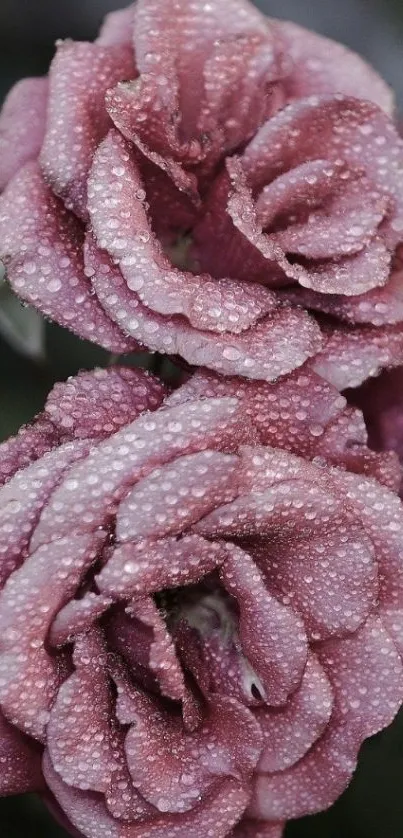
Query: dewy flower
[(207, 182), (201, 606)]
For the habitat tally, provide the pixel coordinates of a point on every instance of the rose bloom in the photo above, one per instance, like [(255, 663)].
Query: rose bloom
[(201, 605), (209, 183)]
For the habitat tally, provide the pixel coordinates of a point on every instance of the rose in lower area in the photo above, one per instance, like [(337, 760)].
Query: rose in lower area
[(200, 181), (201, 611)]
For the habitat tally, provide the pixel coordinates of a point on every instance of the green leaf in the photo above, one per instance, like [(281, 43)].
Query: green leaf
[(21, 326)]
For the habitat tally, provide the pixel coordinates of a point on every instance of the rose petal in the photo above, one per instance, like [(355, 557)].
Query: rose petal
[(380, 307), (85, 810), (30, 443), (273, 347), (219, 811), (97, 403), (291, 414), (290, 731), (23, 498), (349, 129), (41, 244), (320, 65), (29, 676), (20, 762), (248, 828), (91, 493), (117, 28), (76, 617), (163, 660), (272, 637), (345, 444), (217, 305), (380, 512), (204, 755), (22, 126), (79, 731), (150, 566), (177, 495), (381, 401), (367, 678), (351, 275), (352, 355), (79, 77)]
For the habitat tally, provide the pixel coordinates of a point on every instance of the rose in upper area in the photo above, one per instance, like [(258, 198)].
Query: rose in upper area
[(198, 178), (201, 604)]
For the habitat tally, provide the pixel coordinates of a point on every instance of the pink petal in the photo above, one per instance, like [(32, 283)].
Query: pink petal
[(41, 244), (320, 65), (307, 185), (22, 126), (177, 495), (190, 32), (79, 731), (204, 755), (163, 659), (98, 403), (23, 498), (85, 810), (290, 731), (330, 576), (117, 28), (31, 443), (352, 355), (291, 413), (150, 566), (366, 674), (380, 512), (289, 506), (248, 828), (76, 617), (29, 676), (323, 205), (92, 491), (79, 77), (174, 49), (274, 346), (272, 636), (219, 248), (219, 811), (242, 90), (380, 307), (350, 275), (343, 228), (349, 129), (367, 678), (218, 305), (135, 109), (20, 762)]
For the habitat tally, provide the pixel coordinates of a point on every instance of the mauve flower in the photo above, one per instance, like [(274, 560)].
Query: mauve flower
[(201, 607), (198, 178)]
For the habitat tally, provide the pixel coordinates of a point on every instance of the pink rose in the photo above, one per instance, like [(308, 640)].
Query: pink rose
[(198, 178), (201, 606)]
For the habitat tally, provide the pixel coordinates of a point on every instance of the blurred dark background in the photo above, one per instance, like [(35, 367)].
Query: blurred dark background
[(373, 805)]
